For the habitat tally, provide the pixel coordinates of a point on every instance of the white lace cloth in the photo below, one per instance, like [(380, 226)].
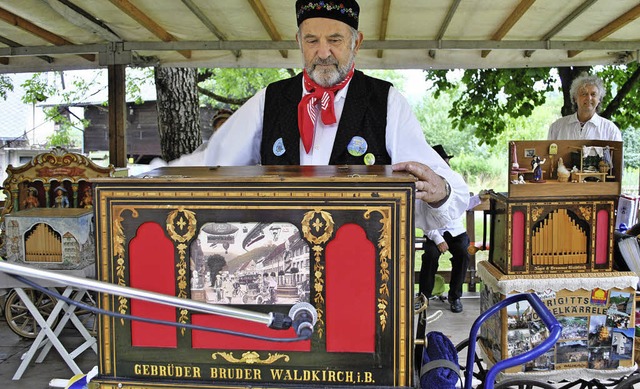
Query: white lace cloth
[(571, 375), (508, 284)]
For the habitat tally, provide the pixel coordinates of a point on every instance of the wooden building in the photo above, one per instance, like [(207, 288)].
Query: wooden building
[(143, 140)]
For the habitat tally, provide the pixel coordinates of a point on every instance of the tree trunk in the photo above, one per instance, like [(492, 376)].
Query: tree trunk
[(567, 75), (178, 111), (624, 90)]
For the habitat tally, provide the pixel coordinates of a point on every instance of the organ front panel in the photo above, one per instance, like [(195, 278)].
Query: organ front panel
[(551, 236)]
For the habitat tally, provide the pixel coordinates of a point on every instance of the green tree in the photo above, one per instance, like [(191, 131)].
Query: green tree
[(233, 87), (490, 96), (39, 88), (5, 86)]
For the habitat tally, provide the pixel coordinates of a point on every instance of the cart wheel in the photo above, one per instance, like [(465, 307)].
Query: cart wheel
[(479, 367), (523, 384), (633, 381), (18, 316)]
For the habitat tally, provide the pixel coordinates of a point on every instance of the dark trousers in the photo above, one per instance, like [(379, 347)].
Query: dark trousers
[(459, 262)]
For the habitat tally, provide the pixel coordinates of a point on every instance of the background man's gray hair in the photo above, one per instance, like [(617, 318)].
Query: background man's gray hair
[(583, 80)]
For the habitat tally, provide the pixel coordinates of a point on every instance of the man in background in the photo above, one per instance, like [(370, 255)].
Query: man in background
[(586, 95), (453, 238)]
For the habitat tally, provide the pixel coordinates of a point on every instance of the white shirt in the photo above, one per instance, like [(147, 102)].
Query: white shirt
[(597, 128), (237, 143), (455, 228)]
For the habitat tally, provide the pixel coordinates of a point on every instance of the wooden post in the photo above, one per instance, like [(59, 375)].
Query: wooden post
[(117, 116)]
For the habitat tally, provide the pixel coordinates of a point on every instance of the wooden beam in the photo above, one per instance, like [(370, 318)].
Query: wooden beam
[(83, 19), (12, 43), (205, 20), (384, 21), (610, 28), (136, 14), (445, 24), (516, 15), (31, 28), (117, 116), (261, 12), (565, 22)]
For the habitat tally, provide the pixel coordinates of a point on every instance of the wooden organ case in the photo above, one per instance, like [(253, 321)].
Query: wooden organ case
[(555, 226), (262, 239), (553, 236)]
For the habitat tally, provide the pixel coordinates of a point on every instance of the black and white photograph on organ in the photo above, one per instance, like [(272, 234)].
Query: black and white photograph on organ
[(250, 263)]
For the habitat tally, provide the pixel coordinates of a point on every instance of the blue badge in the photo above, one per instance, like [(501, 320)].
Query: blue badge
[(369, 159), (357, 146), (278, 147)]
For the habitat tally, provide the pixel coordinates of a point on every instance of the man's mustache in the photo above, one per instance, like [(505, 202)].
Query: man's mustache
[(324, 62)]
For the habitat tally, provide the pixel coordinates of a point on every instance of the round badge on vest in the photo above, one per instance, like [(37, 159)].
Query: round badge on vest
[(369, 159), (357, 146), (278, 147)]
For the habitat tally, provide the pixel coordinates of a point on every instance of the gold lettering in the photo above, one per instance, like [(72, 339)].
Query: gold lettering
[(303, 375), (368, 377), (136, 369), (348, 376), (163, 371), (196, 372)]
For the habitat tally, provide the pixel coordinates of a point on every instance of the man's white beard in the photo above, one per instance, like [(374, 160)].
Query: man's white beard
[(332, 76)]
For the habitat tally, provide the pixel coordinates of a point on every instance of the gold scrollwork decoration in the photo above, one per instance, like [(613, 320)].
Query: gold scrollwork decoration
[(585, 210), (317, 228), (536, 212), (181, 226), (251, 358), (323, 220), (384, 244), (119, 255)]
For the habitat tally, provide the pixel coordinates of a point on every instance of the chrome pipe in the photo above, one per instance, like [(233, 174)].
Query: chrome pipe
[(125, 291)]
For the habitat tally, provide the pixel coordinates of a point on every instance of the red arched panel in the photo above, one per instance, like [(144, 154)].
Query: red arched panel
[(602, 237), (350, 291), (151, 267), (517, 239)]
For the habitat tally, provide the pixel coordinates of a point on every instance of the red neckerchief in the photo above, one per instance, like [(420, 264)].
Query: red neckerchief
[(307, 113)]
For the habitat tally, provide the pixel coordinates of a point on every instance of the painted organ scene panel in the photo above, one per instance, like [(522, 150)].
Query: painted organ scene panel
[(250, 263)]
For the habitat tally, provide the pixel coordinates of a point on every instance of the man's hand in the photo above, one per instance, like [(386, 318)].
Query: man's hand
[(443, 247), (430, 187)]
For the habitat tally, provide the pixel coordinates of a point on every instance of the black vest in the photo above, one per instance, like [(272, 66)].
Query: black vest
[(364, 115)]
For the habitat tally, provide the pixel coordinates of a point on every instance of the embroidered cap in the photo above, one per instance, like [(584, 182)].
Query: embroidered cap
[(346, 11)]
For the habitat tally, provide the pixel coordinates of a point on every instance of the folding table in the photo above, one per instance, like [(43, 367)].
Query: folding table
[(51, 328)]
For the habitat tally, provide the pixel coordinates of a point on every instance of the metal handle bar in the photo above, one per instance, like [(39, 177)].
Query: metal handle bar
[(105, 287), (547, 317)]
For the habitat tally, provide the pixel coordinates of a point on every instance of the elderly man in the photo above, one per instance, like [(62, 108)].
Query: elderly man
[(586, 94), (332, 113)]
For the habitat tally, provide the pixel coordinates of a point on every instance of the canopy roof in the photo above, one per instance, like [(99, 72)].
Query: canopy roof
[(41, 35)]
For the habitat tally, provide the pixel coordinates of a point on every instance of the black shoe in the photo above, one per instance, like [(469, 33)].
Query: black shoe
[(456, 306)]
